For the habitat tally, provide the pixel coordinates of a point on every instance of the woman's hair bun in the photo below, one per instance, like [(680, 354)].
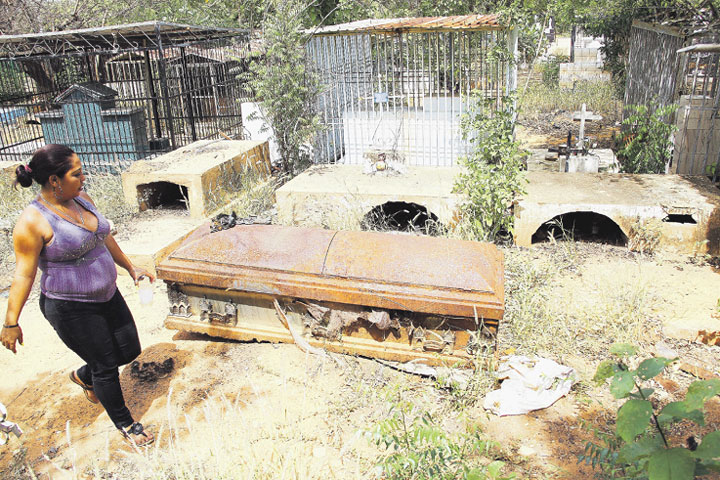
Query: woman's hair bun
[(24, 176)]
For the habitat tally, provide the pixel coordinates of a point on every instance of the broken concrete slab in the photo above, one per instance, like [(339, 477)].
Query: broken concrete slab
[(197, 177), (626, 199), (151, 238), (344, 191)]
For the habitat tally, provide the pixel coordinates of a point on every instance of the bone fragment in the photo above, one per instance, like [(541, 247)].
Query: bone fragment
[(318, 312), (299, 341)]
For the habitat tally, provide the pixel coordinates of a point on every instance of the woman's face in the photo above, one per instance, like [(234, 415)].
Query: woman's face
[(72, 182)]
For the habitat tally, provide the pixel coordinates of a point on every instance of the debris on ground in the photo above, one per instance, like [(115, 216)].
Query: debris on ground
[(7, 427), (708, 338), (447, 377), (697, 371), (528, 384), (151, 371), (224, 221)]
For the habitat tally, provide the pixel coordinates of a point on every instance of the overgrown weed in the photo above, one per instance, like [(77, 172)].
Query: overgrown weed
[(244, 190), (107, 193), (416, 444), (228, 441), (644, 235), (545, 317), (599, 97)]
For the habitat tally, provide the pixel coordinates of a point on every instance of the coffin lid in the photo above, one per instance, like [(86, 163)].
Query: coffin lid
[(386, 270)]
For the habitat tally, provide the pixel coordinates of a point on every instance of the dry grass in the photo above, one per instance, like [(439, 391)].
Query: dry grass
[(12, 203), (107, 193), (645, 235), (345, 214), (544, 315), (599, 97), (244, 191), (304, 434)]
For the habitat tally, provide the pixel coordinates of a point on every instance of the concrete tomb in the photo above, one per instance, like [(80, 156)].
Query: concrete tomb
[(89, 122), (199, 177)]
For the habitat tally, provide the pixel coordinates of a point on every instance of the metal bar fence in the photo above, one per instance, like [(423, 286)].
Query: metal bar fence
[(402, 94), (114, 108), (658, 74)]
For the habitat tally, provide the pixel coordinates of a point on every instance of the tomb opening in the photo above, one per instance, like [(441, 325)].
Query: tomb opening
[(581, 226), (680, 218), (162, 195), (401, 217)]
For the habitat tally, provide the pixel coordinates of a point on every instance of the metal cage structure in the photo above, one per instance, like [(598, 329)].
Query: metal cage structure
[(121, 93), (666, 65), (398, 88)]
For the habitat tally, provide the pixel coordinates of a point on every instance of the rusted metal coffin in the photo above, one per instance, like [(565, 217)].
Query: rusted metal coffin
[(392, 296)]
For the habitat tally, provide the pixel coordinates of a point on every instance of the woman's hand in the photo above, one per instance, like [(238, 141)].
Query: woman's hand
[(9, 337), (137, 273)]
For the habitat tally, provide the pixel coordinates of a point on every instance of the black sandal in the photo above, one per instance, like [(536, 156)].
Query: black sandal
[(87, 389), (134, 430)]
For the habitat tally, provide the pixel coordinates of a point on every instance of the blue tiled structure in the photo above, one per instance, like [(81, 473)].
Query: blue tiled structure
[(103, 135)]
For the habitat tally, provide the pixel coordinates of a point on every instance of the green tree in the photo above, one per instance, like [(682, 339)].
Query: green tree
[(648, 144), (12, 85), (283, 81), (612, 19), (493, 172)]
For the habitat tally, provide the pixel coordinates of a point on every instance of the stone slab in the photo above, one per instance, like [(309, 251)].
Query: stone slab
[(625, 199), (152, 236), (203, 167), (344, 190), (539, 161)]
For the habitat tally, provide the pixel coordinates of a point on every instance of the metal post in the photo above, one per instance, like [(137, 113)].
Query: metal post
[(164, 86), (153, 96), (511, 77), (187, 86)]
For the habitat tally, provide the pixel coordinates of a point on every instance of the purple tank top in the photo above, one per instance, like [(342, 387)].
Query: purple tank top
[(76, 265)]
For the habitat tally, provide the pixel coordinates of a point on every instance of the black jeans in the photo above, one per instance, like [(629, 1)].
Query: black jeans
[(104, 335)]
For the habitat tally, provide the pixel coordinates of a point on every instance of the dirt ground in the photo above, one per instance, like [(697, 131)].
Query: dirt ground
[(311, 409)]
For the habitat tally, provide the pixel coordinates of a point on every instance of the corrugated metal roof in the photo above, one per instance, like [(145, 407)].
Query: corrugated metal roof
[(111, 39), (127, 30), (417, 24)]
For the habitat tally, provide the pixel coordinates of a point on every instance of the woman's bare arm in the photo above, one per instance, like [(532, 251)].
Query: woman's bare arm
[(28, 241)]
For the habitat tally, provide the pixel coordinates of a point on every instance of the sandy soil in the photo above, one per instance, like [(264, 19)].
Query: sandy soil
[(321, 405)]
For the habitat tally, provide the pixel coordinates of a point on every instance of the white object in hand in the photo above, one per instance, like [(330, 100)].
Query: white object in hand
[(145, 292)]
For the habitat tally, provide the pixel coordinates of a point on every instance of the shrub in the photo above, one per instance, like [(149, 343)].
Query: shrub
[(493, 176), (646, 143), (551, 70), (642, 448), (12, 86), (285, 84), (418, 448), (644, 235)]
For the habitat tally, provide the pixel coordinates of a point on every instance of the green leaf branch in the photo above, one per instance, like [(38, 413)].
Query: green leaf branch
[(643, 448)]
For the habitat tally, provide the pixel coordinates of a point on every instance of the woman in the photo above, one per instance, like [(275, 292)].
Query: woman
[(62, 232)]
